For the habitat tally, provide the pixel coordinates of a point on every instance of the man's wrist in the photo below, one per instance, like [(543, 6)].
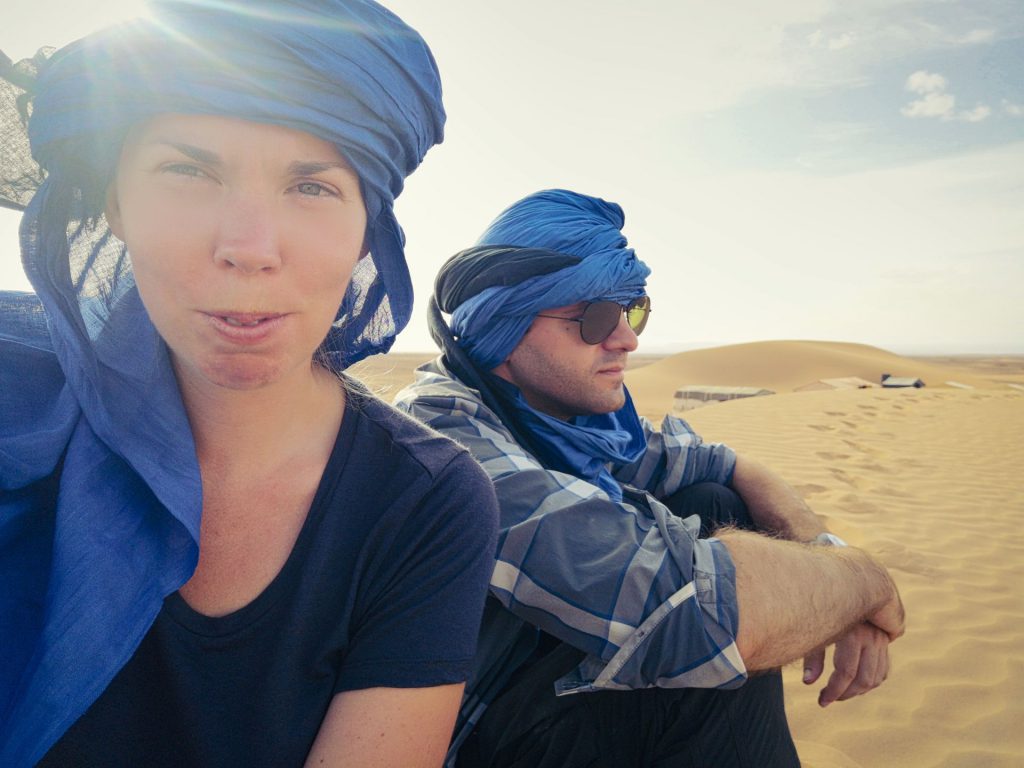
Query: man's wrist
[(827, 539)]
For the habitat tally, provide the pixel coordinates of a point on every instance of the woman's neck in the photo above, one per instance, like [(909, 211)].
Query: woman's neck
[(261, 427)]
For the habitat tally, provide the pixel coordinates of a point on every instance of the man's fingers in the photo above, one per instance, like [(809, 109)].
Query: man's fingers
[(814, 665), (847, 662), (866, 678), (861, 661)]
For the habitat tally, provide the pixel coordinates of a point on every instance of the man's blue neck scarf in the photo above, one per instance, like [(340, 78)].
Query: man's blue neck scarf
[(583, 446), (87, 393), (488, 325)]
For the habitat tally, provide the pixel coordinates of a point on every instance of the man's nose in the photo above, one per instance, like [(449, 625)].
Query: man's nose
[(248, 236), (622, 337)]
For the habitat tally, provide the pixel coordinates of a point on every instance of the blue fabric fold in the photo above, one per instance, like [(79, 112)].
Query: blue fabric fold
[(585, 445), (100, 493), (489, 325)]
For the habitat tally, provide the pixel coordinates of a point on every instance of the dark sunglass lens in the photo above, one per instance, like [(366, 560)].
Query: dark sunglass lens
[(637, 314), (599, 321)]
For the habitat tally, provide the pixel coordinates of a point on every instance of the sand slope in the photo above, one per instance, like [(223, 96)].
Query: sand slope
[(932, 482)]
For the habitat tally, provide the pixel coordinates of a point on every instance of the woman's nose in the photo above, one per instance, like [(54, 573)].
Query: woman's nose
[(248, 237)]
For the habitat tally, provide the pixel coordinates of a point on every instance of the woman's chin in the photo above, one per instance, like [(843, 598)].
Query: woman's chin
[(238, 373)]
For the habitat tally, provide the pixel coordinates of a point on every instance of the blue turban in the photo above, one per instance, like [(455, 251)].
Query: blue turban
[(490, 324), (550, 249), (87, 393)]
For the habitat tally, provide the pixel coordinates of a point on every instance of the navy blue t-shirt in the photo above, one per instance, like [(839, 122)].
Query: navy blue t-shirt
[(384, 587)]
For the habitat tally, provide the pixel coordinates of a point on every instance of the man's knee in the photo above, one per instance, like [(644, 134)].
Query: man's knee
[(716, 504), (741, 728)]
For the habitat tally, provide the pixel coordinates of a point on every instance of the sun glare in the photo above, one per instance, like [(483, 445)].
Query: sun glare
[(32, 24)]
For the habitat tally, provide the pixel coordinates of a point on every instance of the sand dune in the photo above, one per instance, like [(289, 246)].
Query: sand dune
[(782, 366), (930, 480)]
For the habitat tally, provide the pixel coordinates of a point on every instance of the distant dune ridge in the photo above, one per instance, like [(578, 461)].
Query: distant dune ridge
[(930, 480), (781, 366)]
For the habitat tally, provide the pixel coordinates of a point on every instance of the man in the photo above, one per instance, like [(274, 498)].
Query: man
[(607, 583)]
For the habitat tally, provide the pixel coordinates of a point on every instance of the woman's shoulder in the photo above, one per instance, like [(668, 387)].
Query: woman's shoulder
[(413, 474), (402, 437)]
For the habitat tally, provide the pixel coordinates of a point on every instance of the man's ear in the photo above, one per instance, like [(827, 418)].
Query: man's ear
[(112, 211), (502, 371)]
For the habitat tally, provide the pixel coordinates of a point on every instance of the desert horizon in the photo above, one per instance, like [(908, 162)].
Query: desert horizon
[(929, 480)]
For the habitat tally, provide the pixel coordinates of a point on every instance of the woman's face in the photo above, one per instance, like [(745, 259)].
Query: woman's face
[(243, 237)]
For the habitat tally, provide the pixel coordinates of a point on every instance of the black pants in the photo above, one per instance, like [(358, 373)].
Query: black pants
[(529, 727)]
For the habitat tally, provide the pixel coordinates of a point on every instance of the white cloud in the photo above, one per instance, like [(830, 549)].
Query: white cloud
[(925, 82), (975, 115), (936, 102), (845, 40), (976, 36), (1016, 110), (818, 39), (931, 105)]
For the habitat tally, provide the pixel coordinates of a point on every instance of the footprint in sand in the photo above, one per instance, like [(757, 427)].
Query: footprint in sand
[(822, 427), (854, 504), (809, 489), (894, 492), (828, 456), (882, 470), (897, 557), (841, 476), (860, 448)]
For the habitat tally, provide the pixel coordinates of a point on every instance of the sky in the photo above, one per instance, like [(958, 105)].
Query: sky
[(799, 169)]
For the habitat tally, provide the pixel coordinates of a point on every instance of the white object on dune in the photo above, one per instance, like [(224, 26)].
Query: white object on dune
[(696, 395)]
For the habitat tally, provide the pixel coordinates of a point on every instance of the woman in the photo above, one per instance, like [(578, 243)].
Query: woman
[(214, 548)]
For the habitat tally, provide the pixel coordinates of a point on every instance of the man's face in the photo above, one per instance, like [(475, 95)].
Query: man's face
[(560, 374)]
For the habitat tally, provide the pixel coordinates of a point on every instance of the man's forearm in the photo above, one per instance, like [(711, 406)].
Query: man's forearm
[(795, 598), (774, 504)]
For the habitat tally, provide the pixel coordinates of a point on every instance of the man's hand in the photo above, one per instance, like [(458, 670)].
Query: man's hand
[(861, 661), (794, 598), (890, 618)]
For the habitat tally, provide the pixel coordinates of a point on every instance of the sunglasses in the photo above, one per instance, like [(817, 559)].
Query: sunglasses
[(600, 318)]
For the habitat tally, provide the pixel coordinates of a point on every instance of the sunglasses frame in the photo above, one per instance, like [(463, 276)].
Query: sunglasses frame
[(588, 319)]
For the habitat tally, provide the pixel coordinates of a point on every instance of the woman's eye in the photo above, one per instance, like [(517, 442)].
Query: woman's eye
[(312, 189), (184, 169)]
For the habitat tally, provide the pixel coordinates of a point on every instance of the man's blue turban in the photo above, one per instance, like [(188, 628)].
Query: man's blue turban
[(551, 249), (86, 385), (490, 324)]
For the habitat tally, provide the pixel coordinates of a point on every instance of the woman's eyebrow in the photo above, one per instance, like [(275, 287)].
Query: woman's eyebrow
[(313, 167), (296, 168), (198, 154)]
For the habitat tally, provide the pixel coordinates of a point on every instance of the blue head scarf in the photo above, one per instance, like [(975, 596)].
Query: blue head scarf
[(86, 385), (487, 326)]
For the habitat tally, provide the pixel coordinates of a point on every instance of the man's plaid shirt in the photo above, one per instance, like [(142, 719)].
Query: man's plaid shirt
[(629, 583)]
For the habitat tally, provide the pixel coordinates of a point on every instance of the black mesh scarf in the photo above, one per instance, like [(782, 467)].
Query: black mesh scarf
[(465, 275), (20, 177)]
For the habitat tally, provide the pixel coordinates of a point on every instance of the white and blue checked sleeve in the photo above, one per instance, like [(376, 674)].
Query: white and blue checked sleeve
[(676, 457), (629, 583)]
